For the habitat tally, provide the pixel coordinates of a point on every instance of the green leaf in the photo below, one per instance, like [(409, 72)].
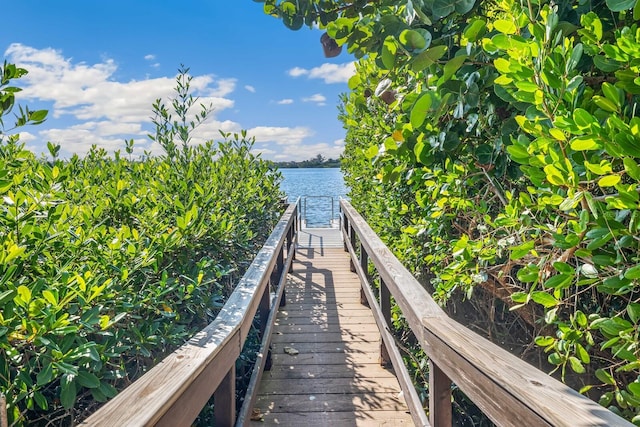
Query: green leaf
[(41, 401), (633, 310), (620, 5), (88, 380), (631, 167), (585, 143), (582, 354), (475, 30), (415, 40), (505, 26), (544, 299), (605, 104), (45, 375), (528, 273), (609, 180), (520, 297), (24, 294), (576, 365), (68, 391), (389, 49), (611, 93), (522, 250), (7, 296), (544, 341), (605, 377), (427, 58), (633, 273), (554, 358), (452, 66), (420, 110), (576, 54), (371, 152)]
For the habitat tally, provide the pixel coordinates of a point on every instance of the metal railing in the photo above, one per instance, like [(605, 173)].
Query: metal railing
[(334, 218)]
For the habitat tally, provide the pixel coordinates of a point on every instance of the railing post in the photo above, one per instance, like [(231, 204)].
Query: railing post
[(345, 229), (364, 263), (385, 307), (439, 397), (224, 400), (352, 238)]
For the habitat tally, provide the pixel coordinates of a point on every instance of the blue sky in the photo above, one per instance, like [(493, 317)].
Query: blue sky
[(98, 66)]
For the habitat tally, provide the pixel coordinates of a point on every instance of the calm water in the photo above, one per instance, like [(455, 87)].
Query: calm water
[(318, 190)]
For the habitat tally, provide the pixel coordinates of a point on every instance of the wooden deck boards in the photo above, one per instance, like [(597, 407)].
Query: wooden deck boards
[(336, 378)]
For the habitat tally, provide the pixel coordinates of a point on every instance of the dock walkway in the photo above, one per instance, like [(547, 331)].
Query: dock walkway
[(325, 348)]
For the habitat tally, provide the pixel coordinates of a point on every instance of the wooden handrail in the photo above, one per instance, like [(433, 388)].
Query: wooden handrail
[(507, 389), (174, 392)]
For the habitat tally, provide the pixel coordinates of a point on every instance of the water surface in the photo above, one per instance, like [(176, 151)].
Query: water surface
[(319, 190)]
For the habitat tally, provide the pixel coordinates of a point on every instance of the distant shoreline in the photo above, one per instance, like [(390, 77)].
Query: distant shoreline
[(316, 162)]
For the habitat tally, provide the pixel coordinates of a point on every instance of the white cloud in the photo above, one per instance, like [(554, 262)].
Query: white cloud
[(109, 110), (280, 135), (330, 73), (90, 106), (297, 72), (317, 98), (250, 88)]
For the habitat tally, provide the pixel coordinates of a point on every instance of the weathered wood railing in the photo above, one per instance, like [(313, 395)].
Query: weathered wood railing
[(508, 390), (174, 392)]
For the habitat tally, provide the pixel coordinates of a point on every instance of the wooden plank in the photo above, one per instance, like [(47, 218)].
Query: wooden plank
[(354, 328), (343, 319), (329, 347), (356, 370), (336, 369), (330, 402), (306, 307), (373, 337), (338, 419), (331, 358), (331, 385)]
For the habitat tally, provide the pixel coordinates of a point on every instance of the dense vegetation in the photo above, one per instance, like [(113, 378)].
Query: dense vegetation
[(495, 147), (108, 263), (318, 161)]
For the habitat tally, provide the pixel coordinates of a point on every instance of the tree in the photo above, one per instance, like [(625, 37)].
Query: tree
[(504, 136)]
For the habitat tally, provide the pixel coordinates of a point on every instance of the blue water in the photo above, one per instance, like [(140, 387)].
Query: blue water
[(319, 190)]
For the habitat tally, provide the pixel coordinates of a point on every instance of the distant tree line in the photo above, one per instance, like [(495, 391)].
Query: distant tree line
[(318, 161)]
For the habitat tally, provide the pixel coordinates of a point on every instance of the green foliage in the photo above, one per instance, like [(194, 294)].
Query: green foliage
[(107, 264), (495, 145)]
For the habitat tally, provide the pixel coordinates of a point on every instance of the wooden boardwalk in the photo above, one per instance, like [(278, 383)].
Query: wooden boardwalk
[(335, 378)]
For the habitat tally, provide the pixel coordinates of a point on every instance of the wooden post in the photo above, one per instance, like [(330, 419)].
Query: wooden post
[(345, 226), (364, 263), (224, 400), (4, 418), (439, 397), (385, 307), (263, 310)]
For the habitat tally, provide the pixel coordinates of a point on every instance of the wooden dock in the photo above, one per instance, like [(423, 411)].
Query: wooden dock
[(326, 347)]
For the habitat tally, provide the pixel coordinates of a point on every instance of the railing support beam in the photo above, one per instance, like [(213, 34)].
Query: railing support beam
[(385, 307), (224, 399), (439, 397)]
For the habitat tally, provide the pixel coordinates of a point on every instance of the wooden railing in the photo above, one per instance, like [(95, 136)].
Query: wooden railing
[(508, 390), (174, 392)]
